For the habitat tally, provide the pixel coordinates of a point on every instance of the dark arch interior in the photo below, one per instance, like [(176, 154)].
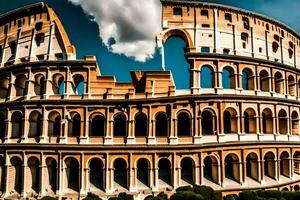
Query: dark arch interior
[(120, 125), (141, 125), (183, 124), (187, 170), (97, 127), (164, 171), (120, 172), (96, 173), (143, 172), (161, 125), (207, 123), (73, 174)]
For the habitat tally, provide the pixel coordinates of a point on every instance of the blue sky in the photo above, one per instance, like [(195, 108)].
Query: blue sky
[(84, 34)]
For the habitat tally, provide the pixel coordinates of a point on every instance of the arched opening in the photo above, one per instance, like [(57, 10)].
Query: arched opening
[(72, 172), (35, 124), (296, 159), (2, 126), (283, 122), (285, 164), (249, 121), (187, 171), (74, 125), (252, 167), (164, 172), (267, 121), (211, 171), (39, 85), (141, 125), (97, 126), (247, 79), (20, 85), (161, 125), (54, 124), (143, 173), (279, 83), (269, 165), (228, 78), (58, 85), (4, 84), (96, 174), (120, 125), (295, 123), (52, 175), (232, 167), (78, 86), (207, 123), (2, 174), (120, 173), (34, 179), (264, 81), (207, 77), (175, 47), (296, 188), (17, 125), (230, 121), (292, 85), (16, 175), (183, 124)]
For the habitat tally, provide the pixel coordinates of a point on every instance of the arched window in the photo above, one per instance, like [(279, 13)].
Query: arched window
[(141, 125), (120, 173), (58, 84), (161, 125), (35, 124), (230, 121), (2, 126), (97, 126), (232, 167), (270, 165), (187, 171), (52, 174), (120, 125), (164, 172), (283, 121), (295, 123), (211, 172), (207, 77), (207, 123), (16, 181), (78, 84), (74, 125), (267, 121), (39, 84), (252, 167), (249, 121), (285, 164), (228, 78), (33, 165), (296, 159), (279, 83), (72, 174), (54, 124), (247, 79), (143, 173), (275, 47), (264, 81), (4, 83), (96, 174), (20, 85), (183, 124), (17, 124), (292, 85)]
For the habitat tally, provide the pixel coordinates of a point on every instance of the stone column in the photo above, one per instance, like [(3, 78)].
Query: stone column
[(24, 137), (44, 134)]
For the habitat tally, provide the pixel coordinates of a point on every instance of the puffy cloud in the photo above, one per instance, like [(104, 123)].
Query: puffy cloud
[(127, 27)]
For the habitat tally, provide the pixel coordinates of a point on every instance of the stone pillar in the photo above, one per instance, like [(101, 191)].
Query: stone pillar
[(48, 85), (44, 134), (24, 169), (29, 85), (61, 175), (131, 130), (82, 176), (43, 170), (8, 127), (24, 137), (84, 136)]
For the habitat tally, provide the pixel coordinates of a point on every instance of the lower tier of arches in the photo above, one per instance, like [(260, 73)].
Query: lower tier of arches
[(70, 171)]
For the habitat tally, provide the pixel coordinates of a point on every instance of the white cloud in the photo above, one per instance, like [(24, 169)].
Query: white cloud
[(127, 27)]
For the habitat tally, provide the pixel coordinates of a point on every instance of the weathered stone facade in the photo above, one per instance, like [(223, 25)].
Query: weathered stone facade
[(67, 130)]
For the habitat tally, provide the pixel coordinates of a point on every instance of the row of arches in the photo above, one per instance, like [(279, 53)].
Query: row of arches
[(184, 123), (229, 80), (19, 86), (231, 168)]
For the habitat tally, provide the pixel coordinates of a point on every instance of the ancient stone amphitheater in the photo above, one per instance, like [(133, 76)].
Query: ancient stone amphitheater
[(67, 130)]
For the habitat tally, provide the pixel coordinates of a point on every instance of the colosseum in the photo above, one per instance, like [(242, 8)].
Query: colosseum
[(67, 130)]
